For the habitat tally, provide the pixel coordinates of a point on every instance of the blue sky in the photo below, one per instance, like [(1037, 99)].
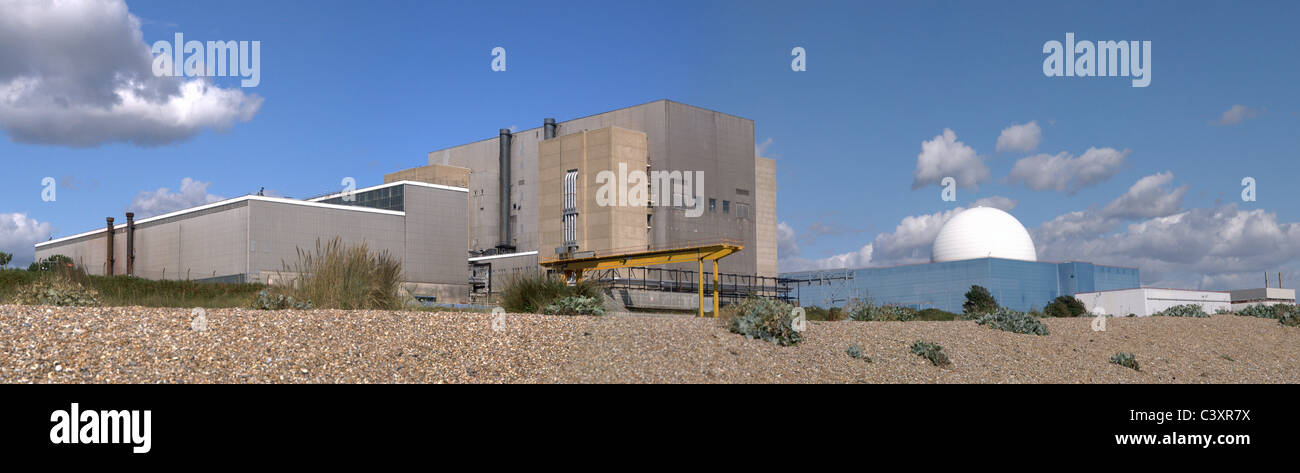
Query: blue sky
[(360, 90)]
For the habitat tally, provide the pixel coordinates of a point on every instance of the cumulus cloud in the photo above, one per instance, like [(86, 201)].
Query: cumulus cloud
[(78, 73), (786, 242), (1020, 137), (1147, 198), (760, 149), (1066, 173), (18, 232), (192, 193), (944, 156), (1234, 115), (789, 258), (1222, 247), (997, 202)]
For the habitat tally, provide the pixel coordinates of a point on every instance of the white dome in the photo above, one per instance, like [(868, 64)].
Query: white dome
[(982, 232)]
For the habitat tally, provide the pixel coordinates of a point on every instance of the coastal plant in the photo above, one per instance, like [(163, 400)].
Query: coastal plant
[(931, 351), (1184, 310), (1127, 360), (575, 305), (1013, 321), (766, 319)]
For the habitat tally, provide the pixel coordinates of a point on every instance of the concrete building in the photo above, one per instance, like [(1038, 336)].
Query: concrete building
[(979, 247), (1146, 301), (1241, 298), (250, 238), (517, 189), (656, 175)]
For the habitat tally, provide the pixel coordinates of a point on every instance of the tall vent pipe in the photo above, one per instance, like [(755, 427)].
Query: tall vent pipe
[(108, 260), (504, 232), (548, 128), (130, 243)]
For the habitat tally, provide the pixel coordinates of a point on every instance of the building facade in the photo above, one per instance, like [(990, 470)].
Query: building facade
[(1018, 284), (252, 238)]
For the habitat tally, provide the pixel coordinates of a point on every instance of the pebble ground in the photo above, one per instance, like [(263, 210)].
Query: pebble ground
[(153, 345)]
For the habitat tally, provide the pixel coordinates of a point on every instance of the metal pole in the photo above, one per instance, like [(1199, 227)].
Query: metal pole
[(699, 259), (715, 288)]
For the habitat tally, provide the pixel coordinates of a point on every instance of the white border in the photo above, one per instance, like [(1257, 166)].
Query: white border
[(507, 255), (260, 198), (390, 184)]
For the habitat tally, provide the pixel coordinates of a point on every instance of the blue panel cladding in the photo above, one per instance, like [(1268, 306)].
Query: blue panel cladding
[(1020, 285), (1076, 277), (1108, 278)]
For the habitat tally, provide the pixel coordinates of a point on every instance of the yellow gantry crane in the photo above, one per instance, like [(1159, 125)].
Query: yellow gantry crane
[(686, 254)]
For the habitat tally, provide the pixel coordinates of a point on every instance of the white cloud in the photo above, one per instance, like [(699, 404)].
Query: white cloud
[(78, 73), (909, 243), (192, 193), (786, 243), (1147, 198), (1065, 173), (1234, 115), (997, 202), (18, 233), (760, 149), (944, 156), (1020, 137)]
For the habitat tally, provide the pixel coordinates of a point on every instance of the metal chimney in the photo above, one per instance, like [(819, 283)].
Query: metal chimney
[(108, 261), (504, 162), (549, 128), (130, 243)]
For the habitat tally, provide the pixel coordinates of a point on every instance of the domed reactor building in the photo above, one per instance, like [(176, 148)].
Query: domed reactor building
[(981, 246)]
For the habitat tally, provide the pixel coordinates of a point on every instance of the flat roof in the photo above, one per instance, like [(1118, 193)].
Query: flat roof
[(260, 198), (314, 202)]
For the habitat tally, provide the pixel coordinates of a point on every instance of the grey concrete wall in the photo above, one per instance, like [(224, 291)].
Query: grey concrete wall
[(680, 137), (278, 229), (200, 245), (436, 236)]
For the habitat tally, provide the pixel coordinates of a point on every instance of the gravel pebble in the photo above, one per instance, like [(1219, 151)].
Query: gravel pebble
[(158, 345)]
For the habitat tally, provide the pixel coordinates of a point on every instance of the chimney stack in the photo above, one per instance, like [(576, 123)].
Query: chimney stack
[(108, 266), (549, 128), (130, 243), (504, 175)]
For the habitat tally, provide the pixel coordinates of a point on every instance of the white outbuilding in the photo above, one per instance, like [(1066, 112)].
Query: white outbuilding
[(1146, 301)]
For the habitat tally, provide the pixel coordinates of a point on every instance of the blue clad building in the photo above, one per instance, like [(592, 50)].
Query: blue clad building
[(1020, 285), (978, 247)]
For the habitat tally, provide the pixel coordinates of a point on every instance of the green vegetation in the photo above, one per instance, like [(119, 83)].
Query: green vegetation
[(865, 310), (931, 351), (54, 261), (116, 290), (813, 312), (765, 319), (1185, 310), (1064, 306), (338, 276), (267, 301), (978, 302), (575, 305), (1013, 321), (533, 292), (1275, 311), (855, 351), (1290, 319), (1126, 360), (935, 315), (5, 259)]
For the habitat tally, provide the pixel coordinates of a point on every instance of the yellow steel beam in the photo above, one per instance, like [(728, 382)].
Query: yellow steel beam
[(701, 287), (715, 288), (699, 254)]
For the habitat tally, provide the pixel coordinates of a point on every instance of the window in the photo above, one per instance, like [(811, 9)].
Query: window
[(726, 206), (713, 205)]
